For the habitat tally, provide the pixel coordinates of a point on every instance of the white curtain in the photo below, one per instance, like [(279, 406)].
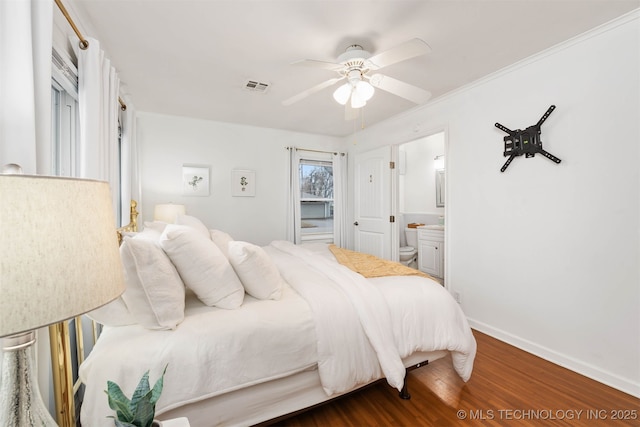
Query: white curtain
[(340, 199), (25, 110), (25, 84), (98, 89), (293, 198)]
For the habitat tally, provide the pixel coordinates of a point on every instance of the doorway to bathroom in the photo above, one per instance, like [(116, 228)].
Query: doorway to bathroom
[(421, 202)]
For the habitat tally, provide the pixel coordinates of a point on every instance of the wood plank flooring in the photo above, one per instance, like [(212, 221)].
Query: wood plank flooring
[(509, 387)]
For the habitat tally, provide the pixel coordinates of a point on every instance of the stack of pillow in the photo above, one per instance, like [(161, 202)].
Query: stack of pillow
[(163, 259)]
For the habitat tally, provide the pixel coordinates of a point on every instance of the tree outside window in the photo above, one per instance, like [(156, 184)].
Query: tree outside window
[(316, 198)]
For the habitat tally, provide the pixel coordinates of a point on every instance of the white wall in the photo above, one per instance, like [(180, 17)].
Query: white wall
[(168, 142), (546, 256), (417, 185)]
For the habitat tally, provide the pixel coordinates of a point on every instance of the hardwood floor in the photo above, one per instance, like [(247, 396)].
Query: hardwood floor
[(509, 387)]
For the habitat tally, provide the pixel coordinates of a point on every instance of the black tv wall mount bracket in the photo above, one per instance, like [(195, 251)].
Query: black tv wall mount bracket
[(527, 142)]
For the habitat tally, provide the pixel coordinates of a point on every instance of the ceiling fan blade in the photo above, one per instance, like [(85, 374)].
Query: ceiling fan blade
[(319, 64), (311, 91), (407, 50), (399, 88)]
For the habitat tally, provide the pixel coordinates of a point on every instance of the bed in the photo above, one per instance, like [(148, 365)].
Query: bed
[(249, 334)]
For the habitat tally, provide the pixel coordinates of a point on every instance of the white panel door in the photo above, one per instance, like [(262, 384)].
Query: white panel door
[(372, 226)]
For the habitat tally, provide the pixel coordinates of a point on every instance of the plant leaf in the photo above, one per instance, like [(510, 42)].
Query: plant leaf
[(123, 424), (157, 387), (141, 390), (144, 412), (119, 402)]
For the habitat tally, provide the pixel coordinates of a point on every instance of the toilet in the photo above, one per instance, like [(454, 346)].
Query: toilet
[(409, 253)]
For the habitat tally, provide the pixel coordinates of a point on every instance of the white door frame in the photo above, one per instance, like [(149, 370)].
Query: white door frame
[(395, 191), (395, 229)]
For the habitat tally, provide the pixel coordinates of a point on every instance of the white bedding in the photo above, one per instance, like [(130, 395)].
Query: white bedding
[(354, 330), (399, 314), (213, 351), (353, 327)]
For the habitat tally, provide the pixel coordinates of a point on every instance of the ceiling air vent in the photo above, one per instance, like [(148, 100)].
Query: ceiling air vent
[(256, 86)]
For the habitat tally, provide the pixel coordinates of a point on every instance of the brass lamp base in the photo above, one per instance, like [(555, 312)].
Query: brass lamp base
[(20, 400)]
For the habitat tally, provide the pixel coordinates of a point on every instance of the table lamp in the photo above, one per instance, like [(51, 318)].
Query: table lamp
[(168, 212), (59, 258)]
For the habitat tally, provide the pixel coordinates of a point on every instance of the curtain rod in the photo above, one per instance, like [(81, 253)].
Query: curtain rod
[(315, 151), (84, 43)]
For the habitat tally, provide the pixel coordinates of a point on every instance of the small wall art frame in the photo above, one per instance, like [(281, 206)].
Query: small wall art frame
[(195, 180), (243, 183)]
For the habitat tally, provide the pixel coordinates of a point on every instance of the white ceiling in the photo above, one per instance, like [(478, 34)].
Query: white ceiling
[(193, 58)]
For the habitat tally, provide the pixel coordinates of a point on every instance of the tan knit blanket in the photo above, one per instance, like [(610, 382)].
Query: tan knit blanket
[(372, 266)]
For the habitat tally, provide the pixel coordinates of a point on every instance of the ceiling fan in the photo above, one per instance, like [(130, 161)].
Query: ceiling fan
[(355, 66)]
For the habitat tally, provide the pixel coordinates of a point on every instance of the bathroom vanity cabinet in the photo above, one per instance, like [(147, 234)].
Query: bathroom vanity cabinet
[(431, 251)]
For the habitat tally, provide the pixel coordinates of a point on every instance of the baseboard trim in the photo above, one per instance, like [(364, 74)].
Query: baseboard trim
[(552, 356)]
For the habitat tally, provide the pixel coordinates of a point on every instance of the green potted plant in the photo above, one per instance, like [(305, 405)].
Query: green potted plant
[(141, 408)]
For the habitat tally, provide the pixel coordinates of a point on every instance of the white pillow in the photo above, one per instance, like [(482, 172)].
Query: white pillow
[(202, 266), (148, 233), (114, 313), (157, 226), (155, 294), (221, 239), (259, 275), (193, 222)]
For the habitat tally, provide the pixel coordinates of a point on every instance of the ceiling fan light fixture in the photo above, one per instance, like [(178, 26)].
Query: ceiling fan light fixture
[(341, 95), (356, 100), (364, 89)]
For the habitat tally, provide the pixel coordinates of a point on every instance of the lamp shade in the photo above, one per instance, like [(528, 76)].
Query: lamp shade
[(342, 94), (168, 212), (59, 253), (356, 100), (365, 90)]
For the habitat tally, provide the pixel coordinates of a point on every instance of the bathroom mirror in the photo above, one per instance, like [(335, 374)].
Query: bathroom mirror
[(440, 175)]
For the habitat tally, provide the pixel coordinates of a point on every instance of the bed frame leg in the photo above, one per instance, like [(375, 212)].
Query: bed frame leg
[(404, 393)]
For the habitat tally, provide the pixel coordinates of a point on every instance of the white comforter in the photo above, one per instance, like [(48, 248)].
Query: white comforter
[(355, 330), (389, 319), (213, 351)]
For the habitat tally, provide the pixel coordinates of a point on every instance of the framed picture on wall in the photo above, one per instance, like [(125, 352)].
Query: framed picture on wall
[(243, 183), (195, 180)]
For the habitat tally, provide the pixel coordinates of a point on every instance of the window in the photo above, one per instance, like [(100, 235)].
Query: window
[(64, 111), (316, 199), (64, 116)]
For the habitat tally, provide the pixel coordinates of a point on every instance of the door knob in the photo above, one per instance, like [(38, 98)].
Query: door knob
[(356, 223)]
